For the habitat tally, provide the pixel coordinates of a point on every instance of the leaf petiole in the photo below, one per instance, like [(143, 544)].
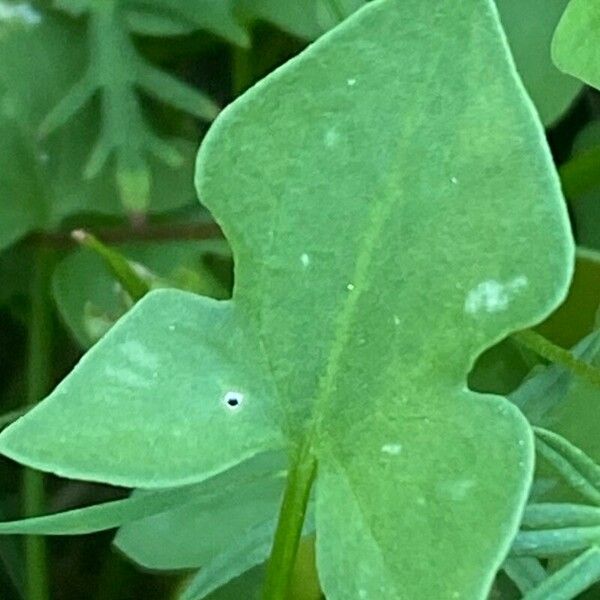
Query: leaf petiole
[(546, 349), (289, 527)]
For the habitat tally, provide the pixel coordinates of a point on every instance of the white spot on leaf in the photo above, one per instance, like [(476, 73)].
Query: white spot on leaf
[(351, 81), (454, 179), (350, 287), (305, 260), (393, 449), (331, 137), (396, 320), (492, 296)]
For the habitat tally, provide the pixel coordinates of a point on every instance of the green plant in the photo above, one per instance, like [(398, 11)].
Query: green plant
[(393, 211)]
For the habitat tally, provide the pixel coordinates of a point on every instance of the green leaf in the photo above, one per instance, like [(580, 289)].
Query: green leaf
[(194, 535), (81, 521), (352, 341), (571, 580), (249, 549), (575, 47), (529, 25)]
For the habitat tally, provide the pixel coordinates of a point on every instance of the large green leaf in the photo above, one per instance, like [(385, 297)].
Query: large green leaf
[(390, 202), (575, 47), (529, 25)]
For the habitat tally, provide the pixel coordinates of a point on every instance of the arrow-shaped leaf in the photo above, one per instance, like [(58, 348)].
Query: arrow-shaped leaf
[(393, 211)]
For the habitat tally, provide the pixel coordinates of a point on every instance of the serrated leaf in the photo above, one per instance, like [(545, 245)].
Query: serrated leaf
[(390, 202), (529, 26), (574, 47)]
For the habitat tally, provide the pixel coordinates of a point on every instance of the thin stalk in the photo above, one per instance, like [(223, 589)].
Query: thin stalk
[(38, 383), (121, 269), (289, 528), (242, 72), (546, 349)]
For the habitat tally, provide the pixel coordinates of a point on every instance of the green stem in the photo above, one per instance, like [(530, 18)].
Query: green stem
[(289, 528), (38, 383), (242, 74), (546, 349), (117, 264)]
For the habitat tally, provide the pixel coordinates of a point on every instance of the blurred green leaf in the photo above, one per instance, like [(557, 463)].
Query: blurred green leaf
[(42, 180), (529, 26), (575, 48), (577, 316), (196, 535), (116, 71)]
